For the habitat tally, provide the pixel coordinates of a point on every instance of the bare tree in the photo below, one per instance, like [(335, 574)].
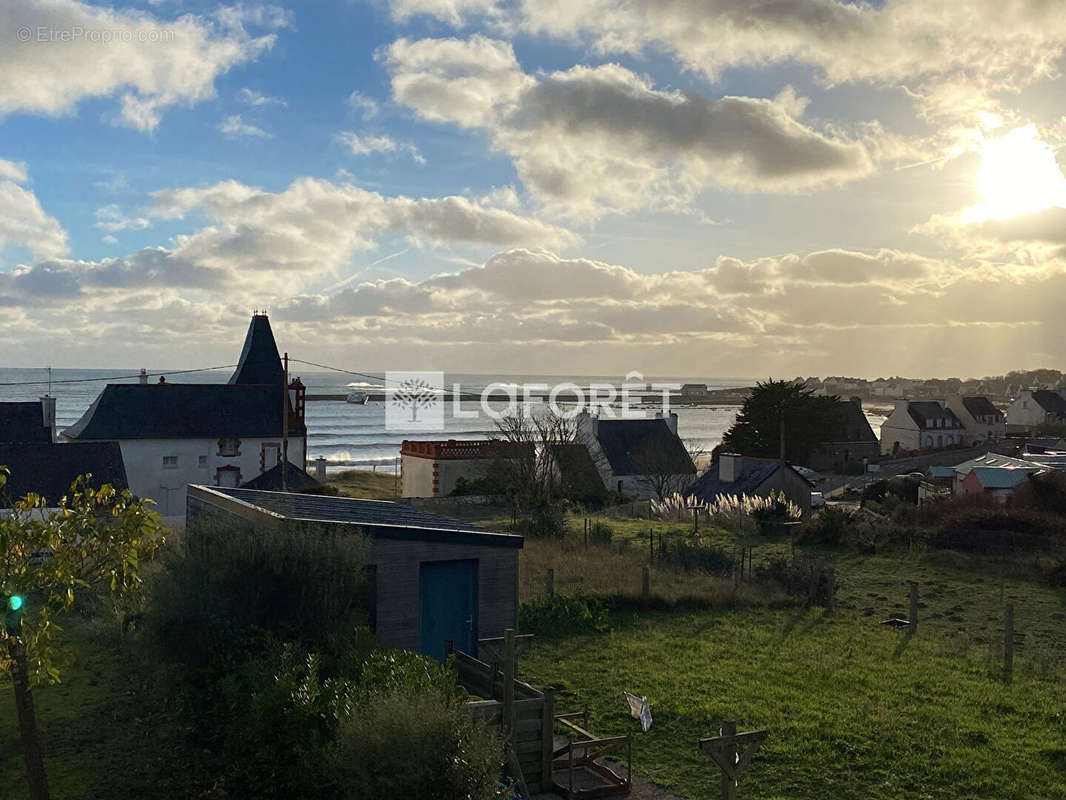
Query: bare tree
[(666, 464), (528, 469)]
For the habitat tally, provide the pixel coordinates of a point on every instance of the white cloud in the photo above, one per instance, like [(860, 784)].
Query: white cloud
[(79, 51), (591, 139), (455, 12), (254, 98), (366, 106), (22, 220), (359, 145), (112, 219), (234, 127)]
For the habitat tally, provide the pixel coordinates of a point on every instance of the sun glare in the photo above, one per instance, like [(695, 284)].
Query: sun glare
[(1018, 175)]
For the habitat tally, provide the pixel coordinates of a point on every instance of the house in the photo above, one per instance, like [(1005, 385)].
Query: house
[(982, 422), (431, 578), (996, 482), (1034, 407), (644, 458), (732, 474), (224, 434), (1045, 444), (852, 443), (990, 461), (692, 392), (48, 469), (28, 421), (920, 425), (576, 474), (433, 468)]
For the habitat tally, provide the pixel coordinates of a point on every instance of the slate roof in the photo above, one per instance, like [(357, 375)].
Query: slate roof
[(922, 410), (982, 407), (1001, 477), (296, 479), (850, 424), (378, 514), (754, 472), (23, 422), (182, 411), (1051, 402), (259, 362), (49, 469), (622, 438)]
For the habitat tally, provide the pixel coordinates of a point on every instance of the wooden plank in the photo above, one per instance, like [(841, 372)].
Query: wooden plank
[(533, 746), (530, 724), (547, 735)]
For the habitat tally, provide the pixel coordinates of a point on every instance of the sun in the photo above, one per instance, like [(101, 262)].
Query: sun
[(1019, 175)]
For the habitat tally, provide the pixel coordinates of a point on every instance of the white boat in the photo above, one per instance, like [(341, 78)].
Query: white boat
[(357, 397)]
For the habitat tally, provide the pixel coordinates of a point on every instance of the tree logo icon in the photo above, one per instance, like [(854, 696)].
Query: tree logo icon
[(413, 401)]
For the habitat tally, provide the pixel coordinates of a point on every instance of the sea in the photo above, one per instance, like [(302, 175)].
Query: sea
[(354, 436)]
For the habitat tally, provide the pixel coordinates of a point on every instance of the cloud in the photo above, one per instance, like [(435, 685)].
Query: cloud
[(455, 12), (78, 51), (366, 145), (112, 219), (254, 98), (234, 127), (22, 220), (593, 139), (366, 106)]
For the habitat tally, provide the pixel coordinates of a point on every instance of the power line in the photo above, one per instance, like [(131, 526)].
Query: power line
[(116, 377)]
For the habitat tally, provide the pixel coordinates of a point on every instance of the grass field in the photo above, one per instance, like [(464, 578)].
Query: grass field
[(365, 484)]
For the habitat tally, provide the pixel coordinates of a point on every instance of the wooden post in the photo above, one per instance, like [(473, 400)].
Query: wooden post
[(645, 588), (913, 619), (651, 545), (547, 743), (831, 584), (570, 764), (1008, 643), (551, 582), (508, 680), (729, 786), (285, 426), (586, 531)]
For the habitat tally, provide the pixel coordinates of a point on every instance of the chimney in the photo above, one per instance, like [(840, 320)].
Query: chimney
[(48, 415), (670, 420), (144, 377), (729, 465), (320, 469), (857, 401), (901, 406)]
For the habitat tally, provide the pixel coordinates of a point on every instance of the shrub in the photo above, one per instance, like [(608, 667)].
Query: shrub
[(545, 520), (560, 615), (796, 577), (692, 555), (601, 533), (996, 531), (832, 526), (421, 745)]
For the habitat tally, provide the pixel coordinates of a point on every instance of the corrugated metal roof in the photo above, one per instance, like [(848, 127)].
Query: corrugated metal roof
[(1001, 477)]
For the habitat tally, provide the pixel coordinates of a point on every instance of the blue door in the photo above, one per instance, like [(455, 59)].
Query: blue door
[(448, 601)]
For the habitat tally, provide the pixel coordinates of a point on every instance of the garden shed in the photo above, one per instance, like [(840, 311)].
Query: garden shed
[(432, 579)]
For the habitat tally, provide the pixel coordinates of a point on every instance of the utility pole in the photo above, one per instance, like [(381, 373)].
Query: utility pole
[(781, 429), (285, 427)]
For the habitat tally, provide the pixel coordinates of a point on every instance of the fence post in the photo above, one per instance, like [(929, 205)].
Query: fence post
[(645, 589), (651, 544), (547, 743), (729, 786), (508, 680), (831, 583), (914, 606), (551, 582), (1008, 644)]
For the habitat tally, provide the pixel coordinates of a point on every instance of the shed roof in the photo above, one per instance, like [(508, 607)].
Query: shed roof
[(48, 469), (296, 479), (23, 422), (380, 515), (994, 460), (182, 411), (624, 439)]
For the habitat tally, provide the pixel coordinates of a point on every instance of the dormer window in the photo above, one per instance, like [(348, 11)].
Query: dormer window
[(229, 446)]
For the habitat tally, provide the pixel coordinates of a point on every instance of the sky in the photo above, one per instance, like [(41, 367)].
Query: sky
[(678, 187)]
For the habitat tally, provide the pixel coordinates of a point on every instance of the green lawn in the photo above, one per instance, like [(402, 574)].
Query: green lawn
[(855, 710), (366, 484)]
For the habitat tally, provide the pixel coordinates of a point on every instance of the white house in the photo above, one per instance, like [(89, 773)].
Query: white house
[(1034, 407), (982, 421), (639, 457), (220, 434), (920, 425)]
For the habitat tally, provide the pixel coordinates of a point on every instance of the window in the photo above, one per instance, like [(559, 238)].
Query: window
[(203, 462), (170, 462), (270, 456), (227, 476), (229, 446)]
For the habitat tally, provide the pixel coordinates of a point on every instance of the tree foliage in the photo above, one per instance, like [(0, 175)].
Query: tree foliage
[(808, 419), (94, 539)]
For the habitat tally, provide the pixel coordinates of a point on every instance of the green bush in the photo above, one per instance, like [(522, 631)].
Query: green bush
[(997, 531), (832, 526), (560, 615), (689, 553), (545, 520), (601, 533), (416, 746)]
